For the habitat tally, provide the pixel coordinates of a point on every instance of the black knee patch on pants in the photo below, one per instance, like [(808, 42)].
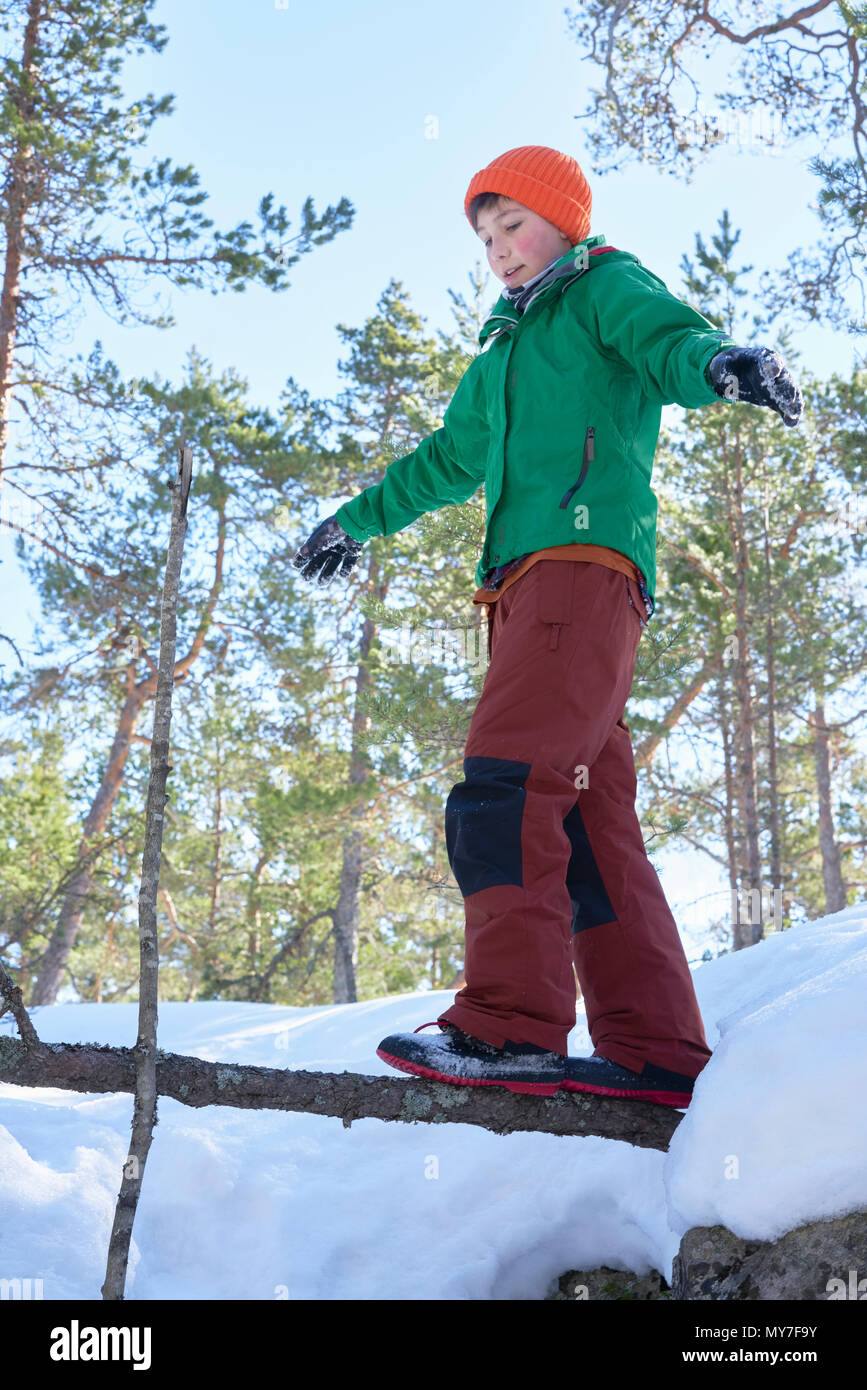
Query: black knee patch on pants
[(591, 904), (483, 824)]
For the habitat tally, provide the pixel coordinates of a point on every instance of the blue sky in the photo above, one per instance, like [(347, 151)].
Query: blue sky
[(340, 99)]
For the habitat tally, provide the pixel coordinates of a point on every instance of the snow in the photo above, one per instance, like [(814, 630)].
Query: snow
[(240, 1204)]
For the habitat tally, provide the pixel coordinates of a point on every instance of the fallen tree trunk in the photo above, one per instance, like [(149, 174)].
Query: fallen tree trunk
[(346, 1096)]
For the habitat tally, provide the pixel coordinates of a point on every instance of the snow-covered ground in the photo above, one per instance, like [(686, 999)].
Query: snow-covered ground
[(239, 1204)]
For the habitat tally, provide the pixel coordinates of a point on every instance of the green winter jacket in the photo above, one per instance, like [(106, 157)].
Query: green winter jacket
[(559, 416)]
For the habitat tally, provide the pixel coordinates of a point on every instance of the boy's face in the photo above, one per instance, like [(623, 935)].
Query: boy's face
[(518, 240)]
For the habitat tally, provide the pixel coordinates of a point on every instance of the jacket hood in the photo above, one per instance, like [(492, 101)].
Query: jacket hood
[(569, 267)]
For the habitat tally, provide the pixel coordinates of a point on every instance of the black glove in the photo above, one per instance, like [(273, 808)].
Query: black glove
[(759, 376), (328, 548)]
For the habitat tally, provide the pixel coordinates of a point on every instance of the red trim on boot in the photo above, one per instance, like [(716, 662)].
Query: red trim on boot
[(678, 1099)]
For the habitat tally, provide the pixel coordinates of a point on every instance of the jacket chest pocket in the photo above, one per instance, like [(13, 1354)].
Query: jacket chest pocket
[(586, 460)]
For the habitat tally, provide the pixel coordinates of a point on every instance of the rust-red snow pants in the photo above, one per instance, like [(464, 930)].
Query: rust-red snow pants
[(544, 841)]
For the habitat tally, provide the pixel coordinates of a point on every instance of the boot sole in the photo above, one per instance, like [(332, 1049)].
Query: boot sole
[(524, 1088), (677, 1099)]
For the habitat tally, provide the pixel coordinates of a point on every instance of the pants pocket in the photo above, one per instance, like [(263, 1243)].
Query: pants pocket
[(636, 602), (554, 595)]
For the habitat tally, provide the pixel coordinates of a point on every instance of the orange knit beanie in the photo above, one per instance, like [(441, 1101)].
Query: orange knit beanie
[(545, 181)]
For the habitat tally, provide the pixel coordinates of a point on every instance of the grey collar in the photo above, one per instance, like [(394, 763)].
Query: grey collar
[(521, 295)]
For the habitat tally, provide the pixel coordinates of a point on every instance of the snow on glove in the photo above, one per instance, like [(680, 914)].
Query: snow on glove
[(329, 548), (759, 376)]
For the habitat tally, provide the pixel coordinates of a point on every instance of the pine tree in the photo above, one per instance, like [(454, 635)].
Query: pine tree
[(82, 218), (111, 625), (747, 562)]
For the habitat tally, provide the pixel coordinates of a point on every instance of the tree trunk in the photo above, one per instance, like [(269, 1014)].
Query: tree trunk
[(346, 914), (145, 1106), (254, 917), (17, 199), (346, 1096), (731, 839), (53, 963), (746, 712), (832, 873), (773, 777), (216, 880)]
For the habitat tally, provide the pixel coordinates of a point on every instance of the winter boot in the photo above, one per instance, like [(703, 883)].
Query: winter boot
[(606, 1078), (466, 1061)]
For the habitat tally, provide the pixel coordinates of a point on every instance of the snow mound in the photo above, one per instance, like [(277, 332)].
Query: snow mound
[(240, 1204)]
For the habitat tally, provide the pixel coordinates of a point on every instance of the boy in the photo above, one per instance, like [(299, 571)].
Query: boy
[(559, 416)]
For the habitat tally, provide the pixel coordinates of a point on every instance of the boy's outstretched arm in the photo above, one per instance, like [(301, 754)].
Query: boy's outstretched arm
[(679, 356), (446, 468)]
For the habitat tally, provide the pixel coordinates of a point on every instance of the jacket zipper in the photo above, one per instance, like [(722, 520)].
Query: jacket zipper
[(586, 459)]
